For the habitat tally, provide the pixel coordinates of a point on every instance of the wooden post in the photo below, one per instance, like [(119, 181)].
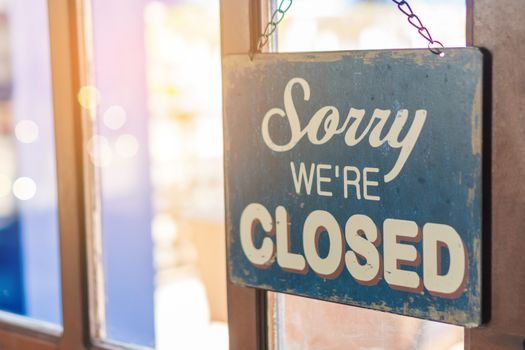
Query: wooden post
[(498, 27), (240, 25)]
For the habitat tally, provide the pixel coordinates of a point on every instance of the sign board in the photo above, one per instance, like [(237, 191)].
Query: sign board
[(355, 177)]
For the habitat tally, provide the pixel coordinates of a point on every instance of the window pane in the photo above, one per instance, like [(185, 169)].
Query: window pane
[(156, 150), (300, 323), (368, 24), (29, 251)]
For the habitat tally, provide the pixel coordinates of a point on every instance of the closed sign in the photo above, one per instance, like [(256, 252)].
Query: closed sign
[(356, 177)]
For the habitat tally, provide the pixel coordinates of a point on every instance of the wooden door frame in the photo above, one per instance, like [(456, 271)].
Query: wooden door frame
[(497, 27), (240, 27)]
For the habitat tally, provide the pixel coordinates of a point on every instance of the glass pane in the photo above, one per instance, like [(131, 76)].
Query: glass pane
[(300, 323), (29, 250), (368, 24), (156, 151)]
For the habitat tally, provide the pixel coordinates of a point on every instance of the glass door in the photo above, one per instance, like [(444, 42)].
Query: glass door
[(292, 322)]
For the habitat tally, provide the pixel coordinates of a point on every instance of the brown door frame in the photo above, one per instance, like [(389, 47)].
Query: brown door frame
[(16, 332), (240, 27), (497, 27)]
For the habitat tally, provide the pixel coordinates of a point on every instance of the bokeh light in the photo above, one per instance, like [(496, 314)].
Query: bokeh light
[(127, 146), (89, 97), (5, 185), (24, 188), (26, 131), (164, 228), (114, 117)]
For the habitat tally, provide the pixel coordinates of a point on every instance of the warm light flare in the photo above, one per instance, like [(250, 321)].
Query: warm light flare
[(26, 131), (5, 185), (127, 146), (89, 97), (114, 117), (24, 188)]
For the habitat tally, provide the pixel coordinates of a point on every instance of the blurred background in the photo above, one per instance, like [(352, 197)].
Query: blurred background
[(154, 143)]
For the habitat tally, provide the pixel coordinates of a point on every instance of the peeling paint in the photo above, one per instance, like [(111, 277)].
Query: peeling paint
[(475, 120), (471, 196)]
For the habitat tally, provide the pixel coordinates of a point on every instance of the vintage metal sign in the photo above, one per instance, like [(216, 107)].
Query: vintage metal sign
[(355, 177)]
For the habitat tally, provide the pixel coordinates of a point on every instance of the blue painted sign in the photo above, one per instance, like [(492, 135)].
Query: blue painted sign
[(355, 177)]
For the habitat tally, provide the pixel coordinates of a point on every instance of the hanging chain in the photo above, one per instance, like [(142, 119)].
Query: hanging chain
[(277, 17), (434, 46)]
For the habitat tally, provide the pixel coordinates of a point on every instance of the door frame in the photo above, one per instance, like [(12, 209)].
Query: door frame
[(247, 324), (69, 50)]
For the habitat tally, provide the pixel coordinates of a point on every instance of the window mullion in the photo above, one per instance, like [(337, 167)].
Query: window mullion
[(66, 77)]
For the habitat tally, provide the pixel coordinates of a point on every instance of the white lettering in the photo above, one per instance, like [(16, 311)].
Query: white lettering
[(286, 259), (322, 179), (303, 177), (318, 222), (367, 183), (435, 238), (396, 254), (358, 250), (324, 124), (354, 182), (251, 215), (364, 245)]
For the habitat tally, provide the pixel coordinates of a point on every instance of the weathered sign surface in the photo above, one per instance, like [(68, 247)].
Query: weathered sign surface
[(355, 177)]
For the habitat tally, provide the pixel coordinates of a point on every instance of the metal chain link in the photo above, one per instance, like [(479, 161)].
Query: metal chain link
[(434, 46), (277, 17)]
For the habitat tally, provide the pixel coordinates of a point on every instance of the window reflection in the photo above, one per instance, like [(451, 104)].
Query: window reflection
[(156, 149), (183, 55), (368, 24)]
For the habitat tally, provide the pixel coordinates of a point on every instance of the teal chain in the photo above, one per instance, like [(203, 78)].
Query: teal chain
[(434, 46), (277, 17)]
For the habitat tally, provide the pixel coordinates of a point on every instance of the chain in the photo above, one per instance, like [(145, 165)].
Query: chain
[(277, 17), (434, 46)]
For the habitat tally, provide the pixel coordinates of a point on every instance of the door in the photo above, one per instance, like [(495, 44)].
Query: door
[(261, 320)]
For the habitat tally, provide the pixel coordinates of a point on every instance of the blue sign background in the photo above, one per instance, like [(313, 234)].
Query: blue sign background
[(440, 182)]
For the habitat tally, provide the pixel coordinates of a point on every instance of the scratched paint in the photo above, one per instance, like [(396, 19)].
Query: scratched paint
[(424, 174)]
